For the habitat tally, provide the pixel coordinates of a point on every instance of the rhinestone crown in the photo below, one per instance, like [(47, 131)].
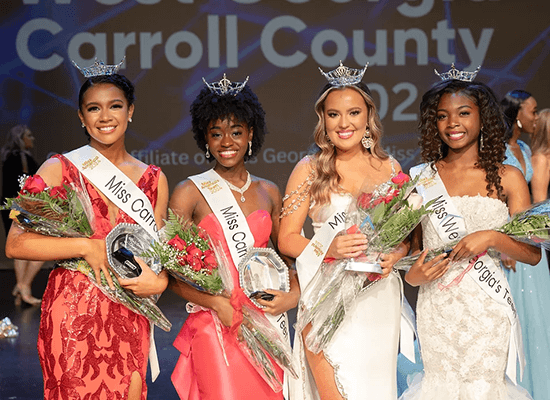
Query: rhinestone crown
[(454, 73), (344, 76), (225, 86)]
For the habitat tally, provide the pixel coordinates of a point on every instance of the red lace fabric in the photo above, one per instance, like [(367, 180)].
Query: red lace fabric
[(88, 345)]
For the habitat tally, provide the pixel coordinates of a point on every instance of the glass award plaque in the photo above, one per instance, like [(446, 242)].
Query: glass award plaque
[(124, 242), (260, 269)]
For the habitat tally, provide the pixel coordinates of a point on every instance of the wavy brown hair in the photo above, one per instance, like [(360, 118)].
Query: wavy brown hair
[(540, 142), (493, 128), (323, 161)]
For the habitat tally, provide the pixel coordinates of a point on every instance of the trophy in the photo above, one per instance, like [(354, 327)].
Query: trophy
[(260, 269), (124, 242)]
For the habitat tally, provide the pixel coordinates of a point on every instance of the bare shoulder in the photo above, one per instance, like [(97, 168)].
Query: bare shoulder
[(512, 179), (303, 168), (51, 171), (395, 164), (540, 161), (270, 188)]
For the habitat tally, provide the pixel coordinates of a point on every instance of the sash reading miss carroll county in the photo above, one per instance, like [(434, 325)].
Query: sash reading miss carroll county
[(450, 226), (124, 193), (235, 228)]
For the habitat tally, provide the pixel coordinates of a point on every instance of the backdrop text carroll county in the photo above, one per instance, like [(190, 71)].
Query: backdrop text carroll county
[(170, 45)]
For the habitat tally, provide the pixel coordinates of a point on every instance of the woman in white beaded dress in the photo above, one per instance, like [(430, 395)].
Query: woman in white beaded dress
[(467, 325), (360, 362)]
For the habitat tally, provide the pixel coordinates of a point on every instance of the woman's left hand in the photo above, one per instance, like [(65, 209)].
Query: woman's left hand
[(282, 302), (387, 262), (472, 245), (148, 283)]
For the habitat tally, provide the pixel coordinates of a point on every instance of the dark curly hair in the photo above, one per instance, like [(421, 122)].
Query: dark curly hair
[(510, 105), (492, 155), (243, 107), (120, 81)]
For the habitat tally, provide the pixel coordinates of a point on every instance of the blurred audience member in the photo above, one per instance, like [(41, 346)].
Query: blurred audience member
[(16, 161)]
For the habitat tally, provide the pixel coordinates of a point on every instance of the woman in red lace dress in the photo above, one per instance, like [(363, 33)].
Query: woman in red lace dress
[(89, 346)]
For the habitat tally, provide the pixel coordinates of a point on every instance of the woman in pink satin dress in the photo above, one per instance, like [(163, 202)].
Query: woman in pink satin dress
[(229, 126)]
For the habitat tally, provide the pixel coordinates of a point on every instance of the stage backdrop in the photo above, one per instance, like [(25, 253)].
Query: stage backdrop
[(170, 45)]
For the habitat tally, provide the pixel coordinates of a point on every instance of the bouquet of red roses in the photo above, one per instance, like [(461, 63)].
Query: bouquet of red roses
[(386, 214), (190, 255), (66, 211)]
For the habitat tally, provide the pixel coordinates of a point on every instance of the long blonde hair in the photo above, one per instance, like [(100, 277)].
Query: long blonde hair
[(541, 139), (323, 161)]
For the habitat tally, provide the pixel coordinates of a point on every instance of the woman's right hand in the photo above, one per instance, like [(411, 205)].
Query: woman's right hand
[(95, 253), (224, 309), (421, 273), (347, 246)]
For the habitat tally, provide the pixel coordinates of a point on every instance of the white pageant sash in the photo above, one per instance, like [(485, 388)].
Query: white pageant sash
[(124, 193), (115, 185), (312, 256), (450, 226), (235, 228), (227, 211)]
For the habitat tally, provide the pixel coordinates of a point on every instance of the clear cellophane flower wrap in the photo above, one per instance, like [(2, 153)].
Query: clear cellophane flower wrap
[(386, 215), (189, 254), (531, 226), (66, 211)]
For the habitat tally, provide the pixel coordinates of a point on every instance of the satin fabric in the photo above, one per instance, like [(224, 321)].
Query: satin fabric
[(88, 345), (201, 372)]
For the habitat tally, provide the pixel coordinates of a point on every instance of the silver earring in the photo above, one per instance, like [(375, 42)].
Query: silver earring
[(480, 140), (367, 141), (207, 154), (328, 140), (520, 125), (250, 148), (130, 119), (84, 126)]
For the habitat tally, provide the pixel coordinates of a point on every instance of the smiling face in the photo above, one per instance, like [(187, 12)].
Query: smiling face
[(105, 113), (228, 141), (458, 121), (346, 117), (527, 115)]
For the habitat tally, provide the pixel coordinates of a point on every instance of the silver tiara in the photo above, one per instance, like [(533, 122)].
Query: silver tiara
[(225, 86), (454, 73), (99, 68), (344, 76)]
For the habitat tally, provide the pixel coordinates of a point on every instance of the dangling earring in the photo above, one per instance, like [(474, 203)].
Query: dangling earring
[(130, 119), (367, 141), (480, 140), (328, 140), (520, 125), (250, 148), (82, 125), (207, 154)]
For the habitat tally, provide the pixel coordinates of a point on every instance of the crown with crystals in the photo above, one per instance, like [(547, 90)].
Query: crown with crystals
[(99, 68), (225, 86), (454, 73), (344, 76)]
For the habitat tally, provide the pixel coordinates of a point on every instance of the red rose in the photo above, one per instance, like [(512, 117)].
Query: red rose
[(388, 198), (377, 201), (58, 192), (210, 262), (364, 200), (34, 184), (194, 251), (177, 243), (203, 235), (400, 179), (194, 262), (373, 277), (182, 260)]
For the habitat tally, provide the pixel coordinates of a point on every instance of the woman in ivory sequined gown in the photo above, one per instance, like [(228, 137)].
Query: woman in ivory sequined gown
[(360, 362), (464, 334), (229, 126)]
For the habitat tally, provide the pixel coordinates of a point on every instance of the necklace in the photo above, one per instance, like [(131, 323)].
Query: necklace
[(240, 190)]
